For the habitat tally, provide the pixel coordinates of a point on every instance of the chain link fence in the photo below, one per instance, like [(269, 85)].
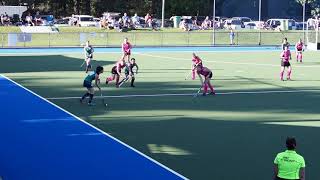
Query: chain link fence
[(108, 39)]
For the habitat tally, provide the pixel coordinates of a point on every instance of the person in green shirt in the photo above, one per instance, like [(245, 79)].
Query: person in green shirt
[(289, 165)]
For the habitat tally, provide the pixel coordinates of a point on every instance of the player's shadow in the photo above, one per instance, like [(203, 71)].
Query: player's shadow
[(18, 64)]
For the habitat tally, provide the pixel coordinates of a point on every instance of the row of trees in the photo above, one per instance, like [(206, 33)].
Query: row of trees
[(61, 8)]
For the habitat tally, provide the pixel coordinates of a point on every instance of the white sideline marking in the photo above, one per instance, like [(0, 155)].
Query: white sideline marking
[(188, 94), (228, 62), (108, 135)]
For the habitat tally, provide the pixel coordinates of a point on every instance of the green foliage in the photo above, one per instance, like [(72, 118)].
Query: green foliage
[(314, 5), (61, 8)]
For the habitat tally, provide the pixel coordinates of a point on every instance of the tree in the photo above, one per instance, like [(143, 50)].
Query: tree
[(314, 5)]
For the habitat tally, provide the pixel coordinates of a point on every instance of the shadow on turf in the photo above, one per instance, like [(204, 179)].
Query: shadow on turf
[(218, 149), (17, 64)]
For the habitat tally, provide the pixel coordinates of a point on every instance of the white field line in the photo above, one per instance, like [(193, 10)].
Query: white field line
[(99, 130), (188, 94), (228, 62)]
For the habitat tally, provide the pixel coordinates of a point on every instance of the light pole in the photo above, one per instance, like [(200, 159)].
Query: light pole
[(162, 21), (304, 17), (259, 22), (213, 23)]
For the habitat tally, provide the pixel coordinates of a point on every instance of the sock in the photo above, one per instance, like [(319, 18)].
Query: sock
[(193, 74), (300, 57), (117, 80), (91, 97), (205, 88), (281, 74), (132, 81), (289, 74), (85, 95), (211, 88)]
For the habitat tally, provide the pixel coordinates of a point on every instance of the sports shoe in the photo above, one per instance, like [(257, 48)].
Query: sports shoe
[(107, 82), (133, 85), (204, 94), (212, 93), (91, 104)]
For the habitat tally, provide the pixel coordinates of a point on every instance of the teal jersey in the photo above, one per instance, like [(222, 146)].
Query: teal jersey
[(90, 77), (88, 50)]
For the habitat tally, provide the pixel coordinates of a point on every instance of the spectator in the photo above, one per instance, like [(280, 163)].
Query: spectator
[(73, 20), (5, 19), (29, 20), (194, 24), (148, 20), (38, 19), (206, 24), (231, 36), (103, 22), (135, 20), (289, 164), (125, 20), (184, 25)]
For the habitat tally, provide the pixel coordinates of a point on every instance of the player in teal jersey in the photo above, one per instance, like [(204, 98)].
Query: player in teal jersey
[(87, 83), (88, 50)]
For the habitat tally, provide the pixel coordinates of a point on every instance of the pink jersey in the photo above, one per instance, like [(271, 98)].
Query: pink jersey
[(286, 54), (120, 65), (299, 46), (126, 47), (203, 71), (196, 60)]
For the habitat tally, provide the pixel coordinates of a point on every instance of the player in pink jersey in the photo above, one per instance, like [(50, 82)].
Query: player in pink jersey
[(195, 62), (285, 58), (299, 49), (205, 83), (126, 49), (116, 72)]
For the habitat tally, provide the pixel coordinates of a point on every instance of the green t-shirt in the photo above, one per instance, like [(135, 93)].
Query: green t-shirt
[(289, 164)]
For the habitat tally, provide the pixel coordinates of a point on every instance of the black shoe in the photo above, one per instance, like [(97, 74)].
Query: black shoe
[(133, 85), (212, 93), (107, 82), (204, 94)]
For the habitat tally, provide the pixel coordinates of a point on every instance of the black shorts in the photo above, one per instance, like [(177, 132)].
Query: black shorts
[(114, 70), (90, 56), (127, 72), (285, 63), (209, 75), (87, 84), (127, 53)]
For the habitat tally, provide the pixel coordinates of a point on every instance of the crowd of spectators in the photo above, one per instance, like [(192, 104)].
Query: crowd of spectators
[(115, 21), (27, 19)]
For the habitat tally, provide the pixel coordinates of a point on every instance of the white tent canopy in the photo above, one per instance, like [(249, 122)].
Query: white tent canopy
[(11, 10)]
